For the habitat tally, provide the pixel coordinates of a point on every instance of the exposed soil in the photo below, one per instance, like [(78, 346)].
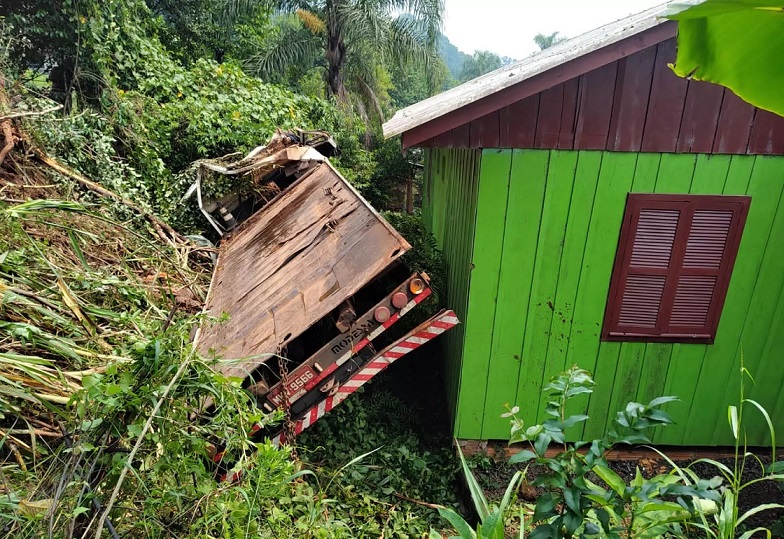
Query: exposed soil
[(495, 476)]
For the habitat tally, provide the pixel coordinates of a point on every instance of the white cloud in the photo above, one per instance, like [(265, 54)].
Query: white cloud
[(508, 28)]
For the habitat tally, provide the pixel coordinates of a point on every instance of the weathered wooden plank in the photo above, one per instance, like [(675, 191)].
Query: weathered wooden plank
[(734, 126), (558, 193), (700, 117), (768, 379), (597, 89), (615, 180), (737, 306), (571, 263), (485, 131), (615, 363), (631, 101), (439, 187), (461, 136), (764, 301), (687, 360), (569, 114), (463, 206), (771, 374), (548, 125), (653, 376), (456, 201), (469, 101), (665, 109), (628, 371), (307, 231), (767, 134), (518, 123), (526, 192), (444, 140), (486, 265)]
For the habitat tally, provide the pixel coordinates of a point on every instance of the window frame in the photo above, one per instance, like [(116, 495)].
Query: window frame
[(635, 204)]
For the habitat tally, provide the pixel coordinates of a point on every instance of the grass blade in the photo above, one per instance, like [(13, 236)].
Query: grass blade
[(477, 495)]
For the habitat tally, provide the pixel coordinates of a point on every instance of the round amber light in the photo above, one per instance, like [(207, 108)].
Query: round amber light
[(416, 286)]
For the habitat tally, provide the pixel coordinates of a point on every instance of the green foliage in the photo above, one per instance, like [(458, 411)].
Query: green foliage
[(44, 34), (545, 41), (402, 466), (86, 142), (155, 117), (573, 502), (414, 83), (138, 408), (721, 519), (218, 30), (193, 114), (734, 43), (453, 57), (355, 44), (480, 63), (491, 516)]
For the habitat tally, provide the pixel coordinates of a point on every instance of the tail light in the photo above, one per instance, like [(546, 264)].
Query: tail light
[(382, 314), (399, 300), (416, 286)]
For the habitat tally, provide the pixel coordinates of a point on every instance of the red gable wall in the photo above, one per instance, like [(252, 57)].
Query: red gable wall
[(633, 104)]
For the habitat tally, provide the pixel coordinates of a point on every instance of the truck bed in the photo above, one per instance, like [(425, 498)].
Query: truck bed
[(290, 265)]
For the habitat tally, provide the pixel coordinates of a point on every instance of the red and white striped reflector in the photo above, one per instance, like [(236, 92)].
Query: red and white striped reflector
[(361, 344), (425, 332)]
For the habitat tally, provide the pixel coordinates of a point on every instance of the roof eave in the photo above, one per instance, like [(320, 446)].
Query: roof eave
[(531, 75)]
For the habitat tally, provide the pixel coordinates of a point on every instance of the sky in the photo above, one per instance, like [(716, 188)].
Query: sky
[(507, 27)]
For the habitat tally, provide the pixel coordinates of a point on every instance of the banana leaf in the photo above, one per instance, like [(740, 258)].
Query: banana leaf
[(738, 44)]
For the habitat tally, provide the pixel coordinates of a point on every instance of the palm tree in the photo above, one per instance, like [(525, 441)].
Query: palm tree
[(348, 40), (547, 41)]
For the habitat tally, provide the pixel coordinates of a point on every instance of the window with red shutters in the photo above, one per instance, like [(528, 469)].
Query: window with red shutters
[(673, 267)]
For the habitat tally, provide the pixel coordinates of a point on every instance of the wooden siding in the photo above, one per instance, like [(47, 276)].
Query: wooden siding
[(449, 212), (633, 104), (548, 223)]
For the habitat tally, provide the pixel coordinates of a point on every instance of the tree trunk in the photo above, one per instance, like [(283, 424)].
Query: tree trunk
[(336, 56)]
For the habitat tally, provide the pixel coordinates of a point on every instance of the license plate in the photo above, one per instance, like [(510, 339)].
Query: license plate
[(297, 381)]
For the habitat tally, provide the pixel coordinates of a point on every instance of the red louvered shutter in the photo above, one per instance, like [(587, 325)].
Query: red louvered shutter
[(673, 266)]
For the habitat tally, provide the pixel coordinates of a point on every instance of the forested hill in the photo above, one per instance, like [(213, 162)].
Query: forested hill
[(453, 57)]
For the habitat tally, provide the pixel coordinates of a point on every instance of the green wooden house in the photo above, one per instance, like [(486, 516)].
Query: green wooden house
[(595, 209)]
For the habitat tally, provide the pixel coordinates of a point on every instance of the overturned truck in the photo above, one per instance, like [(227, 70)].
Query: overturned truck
[(306, 282)]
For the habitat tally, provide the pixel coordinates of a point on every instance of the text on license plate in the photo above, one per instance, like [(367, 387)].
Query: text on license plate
[(296, 383)]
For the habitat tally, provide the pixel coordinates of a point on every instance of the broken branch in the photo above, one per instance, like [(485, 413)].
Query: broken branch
[(27, 113), (164, 231)]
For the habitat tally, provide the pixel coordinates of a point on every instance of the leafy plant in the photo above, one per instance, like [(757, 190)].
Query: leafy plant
[(722, 520), (353, 42), (381, 491), (572, 502), (491, 516), (734, 43)]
